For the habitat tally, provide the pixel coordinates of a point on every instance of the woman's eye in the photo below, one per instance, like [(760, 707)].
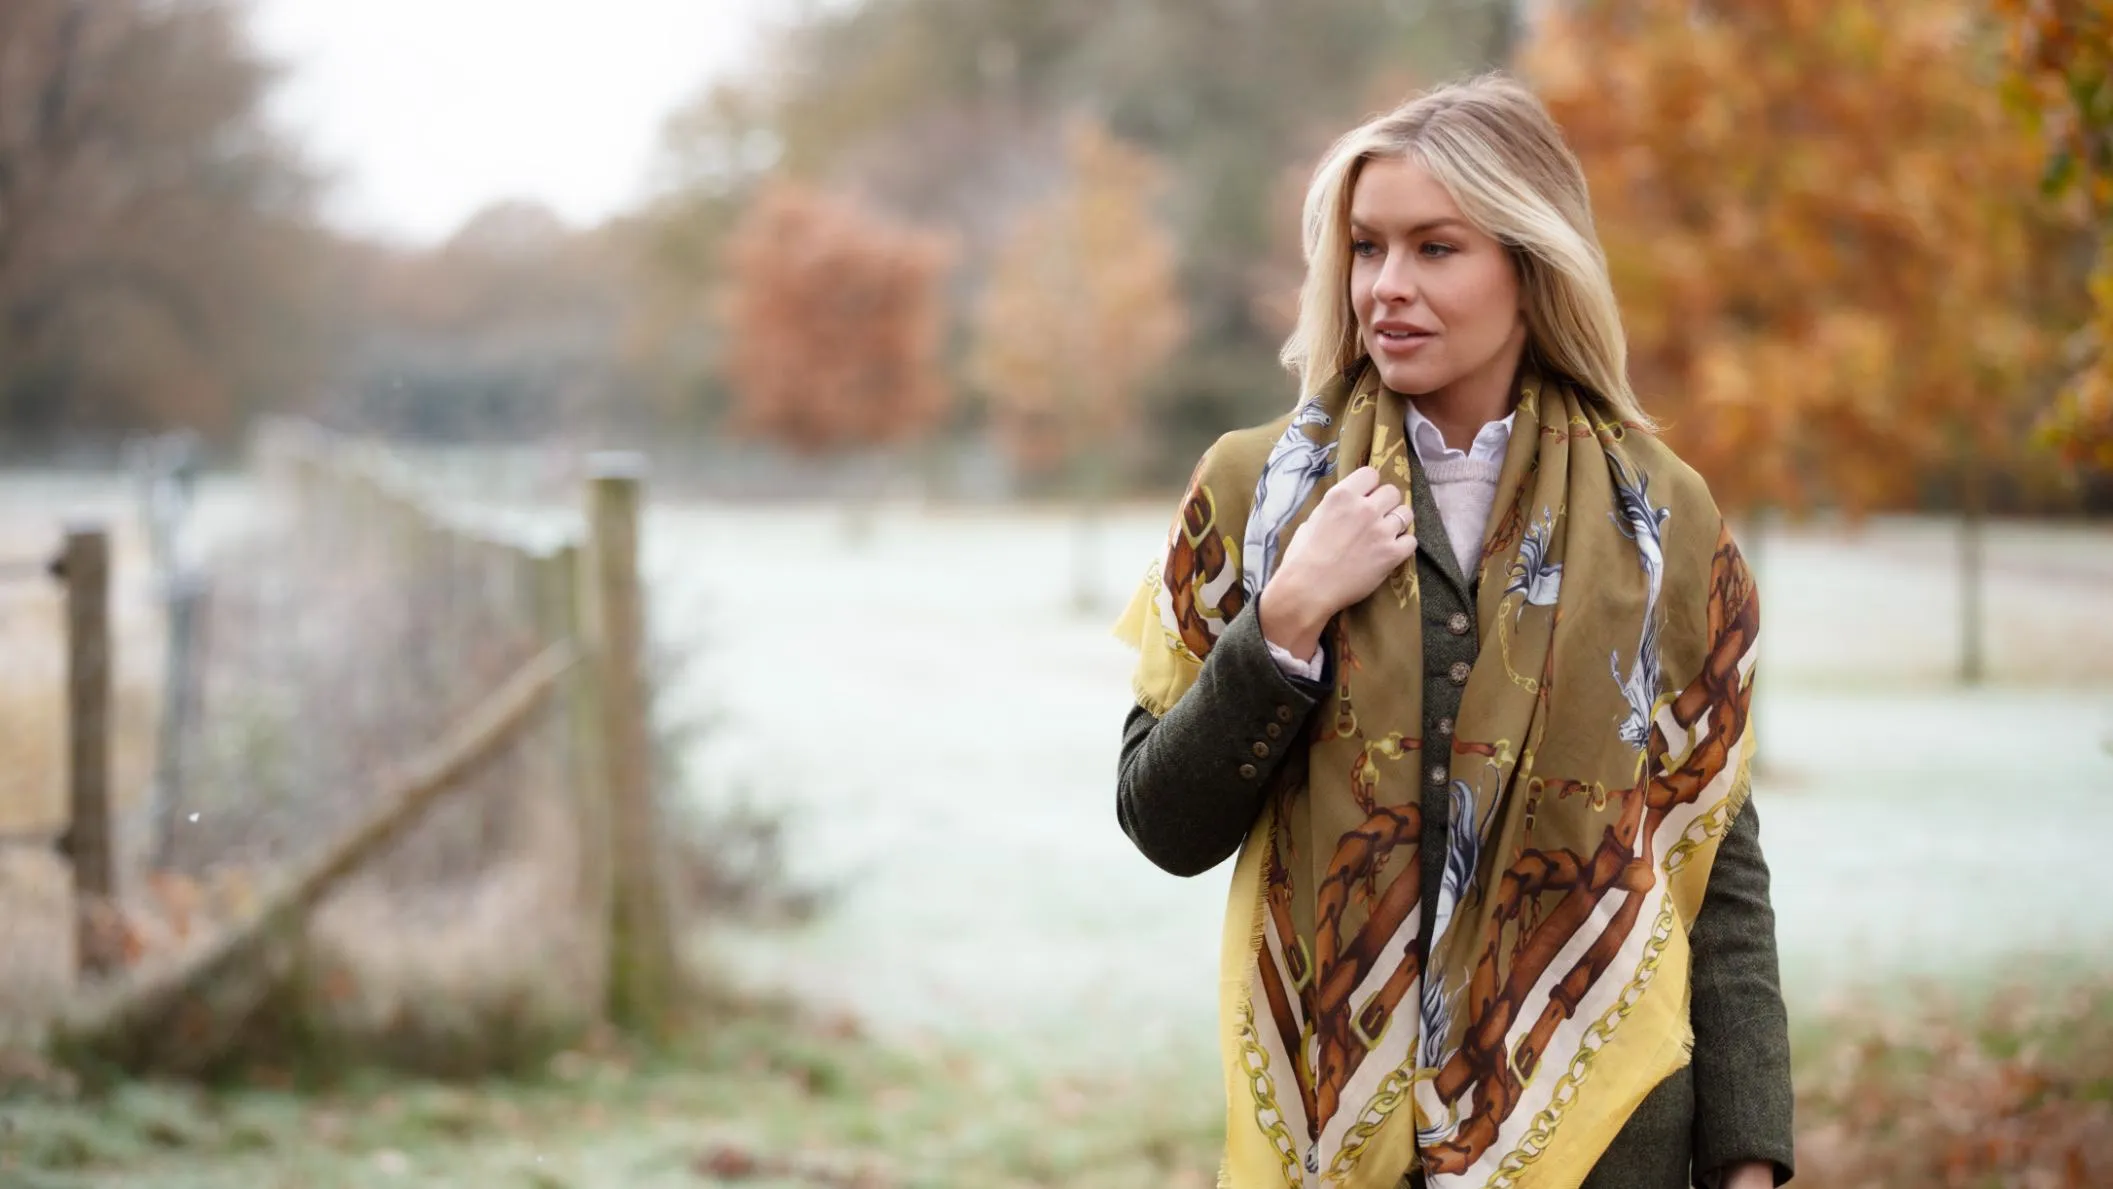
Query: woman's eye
[(1438, 249), (1363, 247)]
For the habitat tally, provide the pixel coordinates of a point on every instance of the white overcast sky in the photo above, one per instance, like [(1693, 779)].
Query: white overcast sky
[(424, 111)]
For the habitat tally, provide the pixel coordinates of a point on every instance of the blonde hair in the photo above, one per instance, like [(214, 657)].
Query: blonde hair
[(1495, 149)]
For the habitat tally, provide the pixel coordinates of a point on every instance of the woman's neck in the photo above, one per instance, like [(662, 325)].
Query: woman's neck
[(1463, 407)]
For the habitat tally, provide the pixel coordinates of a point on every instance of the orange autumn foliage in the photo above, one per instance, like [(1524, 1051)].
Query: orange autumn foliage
[(2061, 54), (1916, 1088), (835, 320), (1080, 310), (1817, 214)]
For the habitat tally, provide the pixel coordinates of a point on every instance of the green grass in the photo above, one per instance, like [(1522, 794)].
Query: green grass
[(1908, 1088), (781, 1104)]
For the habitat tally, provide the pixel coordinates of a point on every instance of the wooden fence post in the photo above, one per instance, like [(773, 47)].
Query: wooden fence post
[(642, 972), (85, 569), (562, 613)]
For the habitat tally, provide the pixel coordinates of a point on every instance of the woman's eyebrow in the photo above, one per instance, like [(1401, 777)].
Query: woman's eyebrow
[(1423, 228)]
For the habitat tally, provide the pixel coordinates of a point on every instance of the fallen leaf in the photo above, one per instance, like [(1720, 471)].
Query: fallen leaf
[(728, 1162)]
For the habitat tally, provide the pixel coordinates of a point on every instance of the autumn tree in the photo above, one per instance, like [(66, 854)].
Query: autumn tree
[(157, 262), (951, 113), (715, 153), (1823, 230), (2061, 54), (1080, 314), (834, 321)]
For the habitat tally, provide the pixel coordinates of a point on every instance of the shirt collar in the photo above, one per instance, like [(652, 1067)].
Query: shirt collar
[(1489, 444)]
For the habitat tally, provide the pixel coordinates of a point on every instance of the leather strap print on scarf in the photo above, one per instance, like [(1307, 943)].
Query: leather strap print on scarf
[(1598, 756)]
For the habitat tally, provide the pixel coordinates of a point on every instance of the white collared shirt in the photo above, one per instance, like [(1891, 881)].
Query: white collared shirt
[(1489, 445)]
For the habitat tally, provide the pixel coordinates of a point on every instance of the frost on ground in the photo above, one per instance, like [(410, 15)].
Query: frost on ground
[(943, 727), (940, 725)]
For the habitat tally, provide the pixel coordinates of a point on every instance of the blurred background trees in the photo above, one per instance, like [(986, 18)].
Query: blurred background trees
[(1080, 313), (2061, 57), (508, 329), (1824, 235), (159, 264), (834, 319), (1840, 285), (954, 113), (1852, 239)]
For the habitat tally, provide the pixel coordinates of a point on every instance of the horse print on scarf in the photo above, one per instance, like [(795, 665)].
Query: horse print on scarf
[(1584, 812), (1296, 463)]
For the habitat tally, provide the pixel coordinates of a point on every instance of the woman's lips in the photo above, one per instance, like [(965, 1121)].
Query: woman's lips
[(1399, 342)]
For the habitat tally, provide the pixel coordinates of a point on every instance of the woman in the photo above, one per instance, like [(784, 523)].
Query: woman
[(1458, 657)]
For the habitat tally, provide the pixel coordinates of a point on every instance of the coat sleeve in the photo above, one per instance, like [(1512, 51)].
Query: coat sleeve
[(1188, 786), (1743, 1099)]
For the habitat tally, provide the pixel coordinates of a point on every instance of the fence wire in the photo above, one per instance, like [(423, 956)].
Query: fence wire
[(352, 618)]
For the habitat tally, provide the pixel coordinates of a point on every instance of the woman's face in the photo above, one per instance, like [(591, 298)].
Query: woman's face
[(1437, 300)]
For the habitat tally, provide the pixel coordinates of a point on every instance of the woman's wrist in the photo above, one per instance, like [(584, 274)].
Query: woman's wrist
[(1291, 620), (1748, 1174)]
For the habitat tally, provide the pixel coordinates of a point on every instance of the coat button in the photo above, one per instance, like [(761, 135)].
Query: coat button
[(1272, 730), (1261, 751), (1445, 728), (1458, 673), (1436, 774), (1283, 714), (1247, 771), (1459, 623)]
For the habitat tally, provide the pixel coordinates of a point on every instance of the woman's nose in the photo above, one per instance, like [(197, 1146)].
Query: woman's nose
[(1395, 283)]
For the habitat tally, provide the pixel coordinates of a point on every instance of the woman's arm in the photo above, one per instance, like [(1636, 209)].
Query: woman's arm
[(1743, 1100), (1188, 786)]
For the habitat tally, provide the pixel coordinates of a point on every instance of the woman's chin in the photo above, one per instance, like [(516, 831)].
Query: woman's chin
[(1409, 379)]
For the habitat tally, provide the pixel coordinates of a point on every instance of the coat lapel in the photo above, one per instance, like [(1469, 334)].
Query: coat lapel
[(1431, 540)]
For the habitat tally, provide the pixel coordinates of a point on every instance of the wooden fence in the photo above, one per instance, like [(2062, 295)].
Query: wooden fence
[(82, 569), (578, 596)]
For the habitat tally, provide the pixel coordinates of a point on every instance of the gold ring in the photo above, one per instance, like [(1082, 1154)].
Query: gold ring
[(1398, 520)]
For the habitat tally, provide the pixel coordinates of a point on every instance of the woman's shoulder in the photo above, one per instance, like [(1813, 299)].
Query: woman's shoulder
[(1670, 477)]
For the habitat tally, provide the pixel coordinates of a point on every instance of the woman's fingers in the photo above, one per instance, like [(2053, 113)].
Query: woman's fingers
[(1405, 545), (1361, 533), (1361, 481)]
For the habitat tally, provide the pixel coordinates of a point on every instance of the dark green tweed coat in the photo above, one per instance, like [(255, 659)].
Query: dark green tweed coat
[(1190, 785)]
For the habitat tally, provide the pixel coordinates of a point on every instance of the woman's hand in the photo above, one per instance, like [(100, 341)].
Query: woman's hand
[(1357, 536), (1749, 1174)]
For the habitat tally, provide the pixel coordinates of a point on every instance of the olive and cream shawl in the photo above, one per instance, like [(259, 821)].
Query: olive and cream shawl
[(1600, 751)]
